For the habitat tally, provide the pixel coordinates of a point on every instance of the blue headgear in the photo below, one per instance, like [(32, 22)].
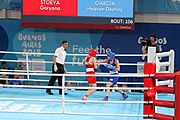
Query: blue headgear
[(111, 55)]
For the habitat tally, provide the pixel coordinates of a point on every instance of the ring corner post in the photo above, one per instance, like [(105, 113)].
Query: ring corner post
[(149, 68), (177, 97)]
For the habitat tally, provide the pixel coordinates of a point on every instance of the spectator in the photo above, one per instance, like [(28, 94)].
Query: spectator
[(16, 76), (2, 69)]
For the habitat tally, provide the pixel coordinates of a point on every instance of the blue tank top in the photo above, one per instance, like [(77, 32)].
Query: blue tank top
[(114, 65)]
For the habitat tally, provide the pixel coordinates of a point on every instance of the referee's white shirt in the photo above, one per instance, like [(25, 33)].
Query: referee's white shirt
[(61, 55)]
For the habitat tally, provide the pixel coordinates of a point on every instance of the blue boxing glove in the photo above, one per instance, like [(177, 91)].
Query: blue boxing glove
[(110, 67)]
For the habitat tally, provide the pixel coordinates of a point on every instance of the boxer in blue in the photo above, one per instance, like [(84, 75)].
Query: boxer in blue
[(113, 67)]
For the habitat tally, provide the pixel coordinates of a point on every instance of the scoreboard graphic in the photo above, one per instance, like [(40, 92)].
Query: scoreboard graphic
[(84, 12)]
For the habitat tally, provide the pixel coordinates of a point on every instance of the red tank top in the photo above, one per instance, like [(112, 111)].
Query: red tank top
[(88, 65)]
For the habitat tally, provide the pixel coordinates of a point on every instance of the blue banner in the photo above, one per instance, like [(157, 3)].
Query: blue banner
[(158, 6), (112, 8)]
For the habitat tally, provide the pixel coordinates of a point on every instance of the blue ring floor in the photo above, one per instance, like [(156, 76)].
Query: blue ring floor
[(36, 106)]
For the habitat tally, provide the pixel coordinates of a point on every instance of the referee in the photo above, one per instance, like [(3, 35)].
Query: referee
[(58, 67)]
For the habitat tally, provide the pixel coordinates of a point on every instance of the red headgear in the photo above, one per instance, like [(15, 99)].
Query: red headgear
[(92, 52)]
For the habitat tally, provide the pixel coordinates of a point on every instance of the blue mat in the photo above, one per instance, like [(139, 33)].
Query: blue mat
[(48, 107)]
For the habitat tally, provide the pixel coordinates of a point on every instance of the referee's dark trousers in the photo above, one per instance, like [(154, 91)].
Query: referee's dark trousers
[(53, 78)]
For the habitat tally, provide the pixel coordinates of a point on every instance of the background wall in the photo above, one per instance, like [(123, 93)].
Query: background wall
[(15, 38)]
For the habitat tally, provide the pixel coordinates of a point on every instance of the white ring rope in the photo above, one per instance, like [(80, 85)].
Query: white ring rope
[(39, 80), (32, 71), (79, 75), (130, 83), (125, 55), (125, 115), (74, 113), (81, 88), (36, 71), (77, 101), (117, 55), (75, 63)]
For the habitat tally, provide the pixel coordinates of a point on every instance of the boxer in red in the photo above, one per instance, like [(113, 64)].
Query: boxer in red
[(91, 67)]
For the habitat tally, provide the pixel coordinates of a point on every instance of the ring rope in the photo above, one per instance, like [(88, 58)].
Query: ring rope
[(133, 55), (76, 63), (36, 71), (75, 113), (78, 101), (78, 75), (125, 115), (58, 87), (38, 80)]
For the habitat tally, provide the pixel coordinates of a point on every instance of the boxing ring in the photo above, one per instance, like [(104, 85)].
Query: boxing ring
[(31, 101)]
